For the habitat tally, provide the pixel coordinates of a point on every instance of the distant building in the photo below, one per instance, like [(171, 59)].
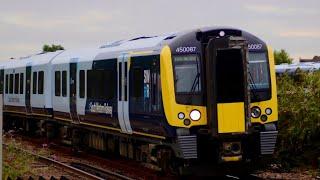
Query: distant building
[(314, 59)]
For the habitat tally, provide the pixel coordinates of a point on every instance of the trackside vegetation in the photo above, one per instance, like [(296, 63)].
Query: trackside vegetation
[(15, 162), (299, 119)]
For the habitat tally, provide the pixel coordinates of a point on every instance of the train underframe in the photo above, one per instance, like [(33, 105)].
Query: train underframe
[(170, 156)]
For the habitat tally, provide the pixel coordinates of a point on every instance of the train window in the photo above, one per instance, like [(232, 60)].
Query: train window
[(11, 84), (34, 83), (21, 83), (57, 83), (64, 83), (99, 83), (82, 83), (40, 82), (187, 72), (187, 79), (230, 86), (145, 94), (137, 87), (16, 83), (7, 83), (258, 67)]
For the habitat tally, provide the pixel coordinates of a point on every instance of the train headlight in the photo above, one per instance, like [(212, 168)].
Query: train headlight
[(195, 115), (222, 33), (255, 112), (181, 115), (268, 111)]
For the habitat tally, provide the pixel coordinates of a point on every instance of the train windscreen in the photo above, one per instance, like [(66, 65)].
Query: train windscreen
[(259, 76)]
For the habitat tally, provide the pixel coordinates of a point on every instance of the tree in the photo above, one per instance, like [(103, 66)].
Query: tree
[(281, 57), (52, 48)]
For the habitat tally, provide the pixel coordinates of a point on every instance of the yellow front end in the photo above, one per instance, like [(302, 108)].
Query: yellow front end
[(231, 118), (171, 108), (231, 115), (273, 102)]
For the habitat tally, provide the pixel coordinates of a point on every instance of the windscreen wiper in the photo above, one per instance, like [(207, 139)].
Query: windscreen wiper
[(193, 87), (253, 87)]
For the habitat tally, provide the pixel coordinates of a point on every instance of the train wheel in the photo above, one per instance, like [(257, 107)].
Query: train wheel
[(167, 162)]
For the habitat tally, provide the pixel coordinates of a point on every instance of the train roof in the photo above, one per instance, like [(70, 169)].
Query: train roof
[(115, 48), (34, 60)]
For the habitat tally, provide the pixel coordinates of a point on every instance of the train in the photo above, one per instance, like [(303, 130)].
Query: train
[(294, 67), (205, 95)]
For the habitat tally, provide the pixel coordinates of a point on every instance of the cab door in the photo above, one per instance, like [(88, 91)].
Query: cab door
[(228, 95), (123, 93)]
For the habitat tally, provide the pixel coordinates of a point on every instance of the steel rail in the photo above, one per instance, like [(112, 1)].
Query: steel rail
[(72, 168)]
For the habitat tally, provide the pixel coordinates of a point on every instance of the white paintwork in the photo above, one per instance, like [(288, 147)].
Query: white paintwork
[(123, 105), (7, 98), (59, 61), (39, 62)]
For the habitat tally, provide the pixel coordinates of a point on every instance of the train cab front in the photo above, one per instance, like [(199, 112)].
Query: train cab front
[(222, 96)]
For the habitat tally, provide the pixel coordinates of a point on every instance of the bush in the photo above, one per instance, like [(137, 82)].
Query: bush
[(299, 117)]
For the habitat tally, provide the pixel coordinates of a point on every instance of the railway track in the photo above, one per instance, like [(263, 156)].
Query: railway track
[(86, 171), (120, 169)]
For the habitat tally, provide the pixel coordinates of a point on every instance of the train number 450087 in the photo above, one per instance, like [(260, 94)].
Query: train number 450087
[(186, 49)]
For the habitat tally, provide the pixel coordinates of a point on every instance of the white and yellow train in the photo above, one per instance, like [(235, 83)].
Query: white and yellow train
[(192, 96)]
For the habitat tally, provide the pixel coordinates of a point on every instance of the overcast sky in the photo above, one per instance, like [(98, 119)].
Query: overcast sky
[(26, 25)]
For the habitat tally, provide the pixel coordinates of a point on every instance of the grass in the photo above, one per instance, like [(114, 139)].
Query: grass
[(15, 162)]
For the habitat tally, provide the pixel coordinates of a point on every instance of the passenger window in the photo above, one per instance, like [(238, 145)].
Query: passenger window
[(137, 87), (34, 83), (57, 83), (40, 82), (99, 83), (7, 83), (16, 83), (21, 83), (82, 83), (11, 84), (64, 83), (145, 95)]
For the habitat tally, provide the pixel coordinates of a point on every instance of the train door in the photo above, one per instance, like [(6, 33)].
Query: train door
[(1, 81), (228, 96), (73, 92), (28, 88), (123, 93)]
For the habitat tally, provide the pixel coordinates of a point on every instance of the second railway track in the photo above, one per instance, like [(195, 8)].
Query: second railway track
[(86, 171)]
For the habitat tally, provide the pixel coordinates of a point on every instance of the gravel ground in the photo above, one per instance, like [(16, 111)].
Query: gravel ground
[(293, 174), (39, 168)]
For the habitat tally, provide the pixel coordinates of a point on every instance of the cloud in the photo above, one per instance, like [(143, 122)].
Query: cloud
[(300, 34), (273, 9), (17, 50), (90, 20)]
